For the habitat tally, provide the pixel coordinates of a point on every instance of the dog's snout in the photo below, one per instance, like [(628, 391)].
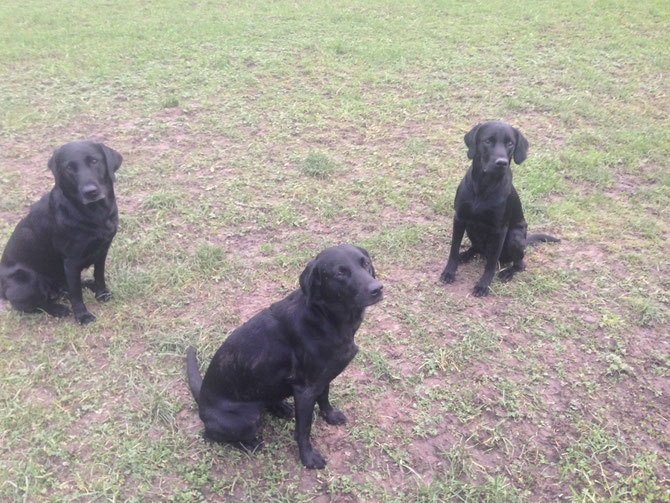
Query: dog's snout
[(90, 191), (376, 289), (502, 162)]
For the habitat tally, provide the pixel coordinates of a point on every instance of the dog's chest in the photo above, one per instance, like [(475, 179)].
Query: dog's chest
[(76, 224), (87, 243), (336, 360), (344, 355), (480, 210)]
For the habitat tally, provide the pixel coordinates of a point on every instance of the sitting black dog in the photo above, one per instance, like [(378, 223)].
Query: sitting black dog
[(68, 230), (296, 347), (488, 207)]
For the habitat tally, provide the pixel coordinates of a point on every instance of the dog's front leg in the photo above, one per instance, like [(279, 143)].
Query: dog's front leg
[(305, 398), (73, 278), (449, 273), (493, 249), (98, 284), (329, 413)]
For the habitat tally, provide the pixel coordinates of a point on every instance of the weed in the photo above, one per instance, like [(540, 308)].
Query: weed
[(318, 165)]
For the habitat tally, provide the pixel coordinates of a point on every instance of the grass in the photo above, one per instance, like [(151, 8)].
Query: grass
[(255, 135)]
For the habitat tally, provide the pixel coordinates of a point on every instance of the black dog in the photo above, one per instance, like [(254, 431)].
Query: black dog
[(296, 347), (488, 207), (68, 230)]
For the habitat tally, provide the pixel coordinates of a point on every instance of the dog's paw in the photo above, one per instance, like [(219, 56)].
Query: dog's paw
[(58, 310), (466, 256), (85, 318), (447, 277), (480, 291), (313, 459), (506, 274), (281, 409), (100, 295), (334, 417), (103, 295)]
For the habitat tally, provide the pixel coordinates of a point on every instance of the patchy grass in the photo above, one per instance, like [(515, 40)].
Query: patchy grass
[(255, 135)]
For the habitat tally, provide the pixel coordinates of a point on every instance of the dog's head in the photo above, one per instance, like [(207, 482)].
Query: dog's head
[(84, 170), (493, 145), (342, 275)]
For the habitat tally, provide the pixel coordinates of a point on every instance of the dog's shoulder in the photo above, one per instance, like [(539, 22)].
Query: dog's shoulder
[(39, 218), (272, 325), (513, 197), (40, 208), (462, 190), (287, 312)]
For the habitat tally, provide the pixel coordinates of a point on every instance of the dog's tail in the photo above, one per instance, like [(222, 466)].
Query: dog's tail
[(534, 239), (3, 273), (193, 372)]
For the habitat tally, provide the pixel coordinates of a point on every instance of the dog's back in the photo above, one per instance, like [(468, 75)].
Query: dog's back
[(295, 347)]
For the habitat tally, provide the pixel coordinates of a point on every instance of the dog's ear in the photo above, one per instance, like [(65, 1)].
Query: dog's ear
[(471, 141), (112, 158), (53, 163), (310, 281), (372, 268), (521, 148)]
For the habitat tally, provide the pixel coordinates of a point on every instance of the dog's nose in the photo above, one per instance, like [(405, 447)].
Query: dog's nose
[(501, 162), (90, 191), (376, 289)]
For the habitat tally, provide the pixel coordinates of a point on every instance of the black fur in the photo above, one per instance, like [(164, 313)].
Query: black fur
[(296, 347), (66, 231), (488, 207)]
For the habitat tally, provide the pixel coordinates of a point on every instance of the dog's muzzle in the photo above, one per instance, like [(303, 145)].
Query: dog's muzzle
[(375, 293), (91, 193)]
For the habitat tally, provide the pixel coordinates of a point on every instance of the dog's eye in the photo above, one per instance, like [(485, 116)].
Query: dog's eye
[(71, 166), (342, 272), (510, 143), (488, 141), (93, 161)]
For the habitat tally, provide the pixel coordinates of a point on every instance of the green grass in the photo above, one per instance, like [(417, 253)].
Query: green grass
[(256, 134)]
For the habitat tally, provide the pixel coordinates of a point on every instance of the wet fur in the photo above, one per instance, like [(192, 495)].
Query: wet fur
[(294, 348), (488, 207), (66, 231)]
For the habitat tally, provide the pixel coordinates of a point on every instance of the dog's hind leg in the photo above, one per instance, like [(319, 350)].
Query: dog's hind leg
[(102, 294), (467, 255), (73, 278), (27, 293), (513, 251), (280, 409), (235, 423), (508, 273), (55, 309)]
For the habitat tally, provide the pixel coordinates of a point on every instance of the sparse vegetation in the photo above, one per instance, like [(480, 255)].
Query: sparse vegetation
[(256, 134)]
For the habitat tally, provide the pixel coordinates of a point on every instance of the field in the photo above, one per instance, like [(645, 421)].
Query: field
[(257, 133)]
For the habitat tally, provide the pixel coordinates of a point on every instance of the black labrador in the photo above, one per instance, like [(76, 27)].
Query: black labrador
[(488, 207), (68, 230), (296, 347)]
